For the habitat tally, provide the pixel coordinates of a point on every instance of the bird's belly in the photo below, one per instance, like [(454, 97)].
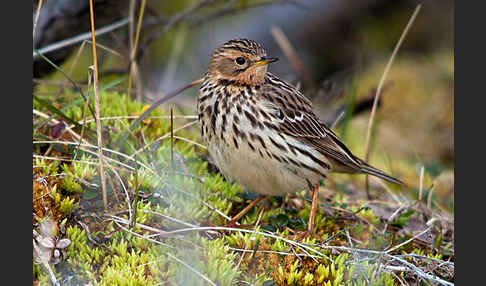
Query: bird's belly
[(262, 175)]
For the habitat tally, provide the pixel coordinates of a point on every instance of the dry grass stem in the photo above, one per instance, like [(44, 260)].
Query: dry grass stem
[(98, 111), (108, 49), (131, 216), (380, 87), (407, 241), (191, 142), (118, 223), (290, 53), (142, 226), (37, 13), (421, 183), (387, 189), (170, 218), (338, 119), (71, 68), (131, 23), (429, 197), (133, 51)]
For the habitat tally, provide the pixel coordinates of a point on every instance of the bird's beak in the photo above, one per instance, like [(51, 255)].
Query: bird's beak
[(264, 61)]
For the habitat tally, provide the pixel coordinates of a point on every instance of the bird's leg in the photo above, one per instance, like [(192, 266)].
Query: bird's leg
[(233, 221), (312, 215), (315, 192)]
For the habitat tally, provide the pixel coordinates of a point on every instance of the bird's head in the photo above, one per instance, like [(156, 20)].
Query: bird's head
[(242, 61)]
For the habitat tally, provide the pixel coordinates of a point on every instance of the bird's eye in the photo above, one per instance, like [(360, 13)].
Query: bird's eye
[(240, 60)]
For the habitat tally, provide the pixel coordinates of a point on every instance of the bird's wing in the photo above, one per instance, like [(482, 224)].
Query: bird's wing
[(293, 115)]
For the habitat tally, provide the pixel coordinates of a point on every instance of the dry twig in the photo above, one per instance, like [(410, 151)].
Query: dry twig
[(39, 5), (290, 53), (380, 87), (97, 107)]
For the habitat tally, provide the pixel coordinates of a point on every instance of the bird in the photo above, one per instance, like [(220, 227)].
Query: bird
[(262, 132)]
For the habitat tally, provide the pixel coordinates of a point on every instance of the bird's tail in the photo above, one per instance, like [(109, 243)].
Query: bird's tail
[(368, 169)]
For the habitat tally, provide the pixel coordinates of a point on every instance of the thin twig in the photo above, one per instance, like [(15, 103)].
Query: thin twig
[(407, 241), (380, 86), (118, 223), (131, 216), (71, 68), (191, 142), (39, 5), (80, 38), (390, 192), (290, 53), (108, 49), (169, 218), (338, 119)]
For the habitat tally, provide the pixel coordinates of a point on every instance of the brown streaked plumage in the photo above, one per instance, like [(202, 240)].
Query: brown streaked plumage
[(262, 132)]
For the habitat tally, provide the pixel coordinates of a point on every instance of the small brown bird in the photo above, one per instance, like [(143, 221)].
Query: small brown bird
[(261, 131)]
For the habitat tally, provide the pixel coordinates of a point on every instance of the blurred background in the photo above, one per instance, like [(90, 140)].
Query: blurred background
[(338, 53)]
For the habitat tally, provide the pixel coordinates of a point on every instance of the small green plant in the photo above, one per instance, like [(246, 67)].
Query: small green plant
[(70, 184), (67, 205)]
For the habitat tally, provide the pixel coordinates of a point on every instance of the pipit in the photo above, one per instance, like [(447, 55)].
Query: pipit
[(261, 131)]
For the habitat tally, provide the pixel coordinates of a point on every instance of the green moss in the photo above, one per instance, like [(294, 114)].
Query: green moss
[(67, 205), (47, 167)]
